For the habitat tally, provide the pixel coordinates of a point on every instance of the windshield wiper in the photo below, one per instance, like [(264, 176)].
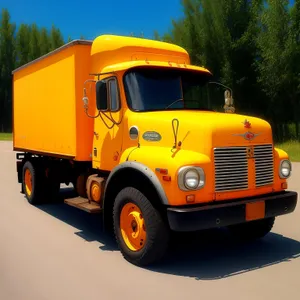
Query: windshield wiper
[(178, 100), (196, 108)]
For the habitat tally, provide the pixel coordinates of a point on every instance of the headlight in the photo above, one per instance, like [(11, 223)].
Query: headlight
[(285, 169), (191, 178)]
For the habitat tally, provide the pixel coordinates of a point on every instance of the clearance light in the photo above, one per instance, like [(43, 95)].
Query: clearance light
[(167, 178)]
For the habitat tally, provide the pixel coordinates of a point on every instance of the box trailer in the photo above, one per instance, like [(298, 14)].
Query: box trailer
[(48, 114)]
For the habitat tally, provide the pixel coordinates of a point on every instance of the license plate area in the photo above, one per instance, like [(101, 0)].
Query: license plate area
[(255, 210)]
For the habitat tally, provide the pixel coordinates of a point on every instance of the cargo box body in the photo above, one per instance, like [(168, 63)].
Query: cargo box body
[(48, 114)]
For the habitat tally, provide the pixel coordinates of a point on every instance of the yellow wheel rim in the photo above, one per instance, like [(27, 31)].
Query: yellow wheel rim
[(95, 191), (28, 182), (133, 227)]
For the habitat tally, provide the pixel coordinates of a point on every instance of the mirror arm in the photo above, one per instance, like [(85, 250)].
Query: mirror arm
[(223, 85)]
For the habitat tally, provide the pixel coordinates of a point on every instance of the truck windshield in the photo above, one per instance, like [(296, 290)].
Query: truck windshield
[(156, 89)]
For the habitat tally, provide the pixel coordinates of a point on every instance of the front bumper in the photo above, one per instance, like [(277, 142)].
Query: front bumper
[(230, 213)]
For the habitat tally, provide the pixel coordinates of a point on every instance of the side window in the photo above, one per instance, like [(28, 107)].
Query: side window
[(114, 94)]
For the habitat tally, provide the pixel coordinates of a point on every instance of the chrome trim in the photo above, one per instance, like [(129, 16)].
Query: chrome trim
[(280, 166), (264, 165), (181, 177), (232, 168)]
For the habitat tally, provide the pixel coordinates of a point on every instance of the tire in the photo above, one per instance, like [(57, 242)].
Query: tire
[(43, 189), (152, 243), (33, 183), (253, 230)]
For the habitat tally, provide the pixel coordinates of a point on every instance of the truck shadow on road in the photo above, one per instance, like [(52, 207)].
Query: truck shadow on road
[(213, 254), (205, 255), (88, 226)]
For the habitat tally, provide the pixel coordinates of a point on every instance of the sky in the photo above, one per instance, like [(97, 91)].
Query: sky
[(92, 18)]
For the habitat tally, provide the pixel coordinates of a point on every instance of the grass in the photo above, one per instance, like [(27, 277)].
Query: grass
[(292, 148), (6, 136)]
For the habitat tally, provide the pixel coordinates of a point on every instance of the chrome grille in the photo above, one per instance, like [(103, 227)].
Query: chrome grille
[(264, 173), (231, 169)]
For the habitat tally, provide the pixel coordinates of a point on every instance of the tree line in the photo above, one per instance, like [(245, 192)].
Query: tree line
[(19, 46), (252, 46)]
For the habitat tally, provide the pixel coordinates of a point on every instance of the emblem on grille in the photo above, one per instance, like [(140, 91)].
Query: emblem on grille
[(249, 136), (247, 124), (250, 152)]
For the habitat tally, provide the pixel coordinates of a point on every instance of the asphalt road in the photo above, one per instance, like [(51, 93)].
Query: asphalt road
[(57, 252)]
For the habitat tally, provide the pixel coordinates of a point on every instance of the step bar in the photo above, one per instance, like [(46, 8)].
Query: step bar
[(84, 204)]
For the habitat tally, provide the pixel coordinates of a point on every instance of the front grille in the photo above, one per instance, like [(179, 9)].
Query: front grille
[(231, 167), (264, 173)]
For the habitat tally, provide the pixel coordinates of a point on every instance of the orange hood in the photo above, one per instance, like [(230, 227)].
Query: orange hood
[(200, 131)]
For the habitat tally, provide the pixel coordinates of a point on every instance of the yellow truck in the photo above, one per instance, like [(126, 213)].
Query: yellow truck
[(132, 124)]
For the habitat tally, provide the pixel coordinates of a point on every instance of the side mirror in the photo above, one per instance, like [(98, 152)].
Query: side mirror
[(228, 98), (101, 95), (229, 103)]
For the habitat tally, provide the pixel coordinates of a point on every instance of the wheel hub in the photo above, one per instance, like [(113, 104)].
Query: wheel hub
[(95, 192), (28, 182), (133, 227)]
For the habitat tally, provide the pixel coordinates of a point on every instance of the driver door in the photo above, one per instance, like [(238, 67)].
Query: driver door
[(108, 138)]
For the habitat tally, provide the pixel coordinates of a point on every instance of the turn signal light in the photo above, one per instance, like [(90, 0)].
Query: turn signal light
[(284, 185), (167, 178), (190, 199)]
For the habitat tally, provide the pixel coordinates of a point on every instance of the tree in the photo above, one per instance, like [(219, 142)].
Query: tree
[(44, 41), (56, 39), (22, 45), (294, 65), (275, 48), (34, 43), (19, 46), (7, 64)]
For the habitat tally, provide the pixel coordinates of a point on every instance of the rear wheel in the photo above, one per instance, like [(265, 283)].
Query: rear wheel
[(252, 230), (32, 183), (140, 231), (39, 184)]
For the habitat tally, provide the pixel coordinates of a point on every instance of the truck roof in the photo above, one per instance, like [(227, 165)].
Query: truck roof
[(108, 50), (114, 42)]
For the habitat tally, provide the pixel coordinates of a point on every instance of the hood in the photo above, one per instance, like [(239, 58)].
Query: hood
[(200, 131)]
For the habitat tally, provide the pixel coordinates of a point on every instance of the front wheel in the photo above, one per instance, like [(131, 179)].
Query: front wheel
[(140, 230), (252, 230)]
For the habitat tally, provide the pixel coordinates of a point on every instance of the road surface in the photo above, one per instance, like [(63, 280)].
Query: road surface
[(57, 252)]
